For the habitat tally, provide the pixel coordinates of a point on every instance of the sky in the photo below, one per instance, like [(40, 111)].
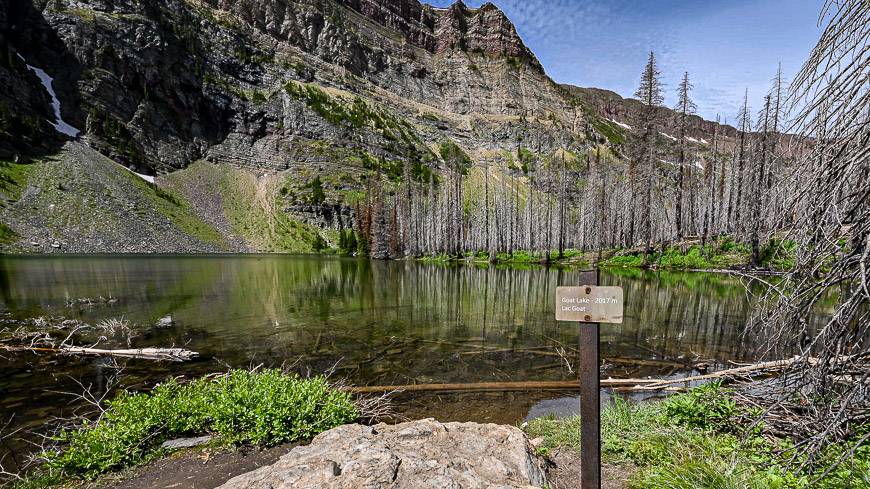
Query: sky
[(726, 46)]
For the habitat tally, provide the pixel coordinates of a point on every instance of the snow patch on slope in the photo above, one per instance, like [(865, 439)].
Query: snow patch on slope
[(668, 136), (147, 178), (620, 124), (59, 124)]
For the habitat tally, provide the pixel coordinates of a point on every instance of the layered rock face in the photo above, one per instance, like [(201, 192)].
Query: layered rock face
[(419, 454), (156, 85)]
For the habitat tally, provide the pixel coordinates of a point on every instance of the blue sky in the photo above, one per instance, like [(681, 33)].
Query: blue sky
[(726, 46)]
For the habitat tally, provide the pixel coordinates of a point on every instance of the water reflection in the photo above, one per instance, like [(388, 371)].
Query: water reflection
[(379, 322)]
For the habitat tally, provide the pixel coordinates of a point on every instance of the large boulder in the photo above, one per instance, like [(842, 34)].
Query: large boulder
[(419, 454)]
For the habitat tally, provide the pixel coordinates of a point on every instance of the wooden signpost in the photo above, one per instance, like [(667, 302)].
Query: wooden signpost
[(590, 305)]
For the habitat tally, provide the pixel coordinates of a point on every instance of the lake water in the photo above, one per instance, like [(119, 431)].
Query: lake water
[(376, 323)]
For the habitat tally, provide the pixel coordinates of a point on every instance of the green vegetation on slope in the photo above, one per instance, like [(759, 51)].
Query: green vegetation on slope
[(356, 114), (608, 129), (7, 235), (253, 210), (13, 179), (691, 441), (265, 408), (178, 210)]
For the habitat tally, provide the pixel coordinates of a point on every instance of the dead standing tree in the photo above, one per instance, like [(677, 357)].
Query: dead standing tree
[(825, 395)]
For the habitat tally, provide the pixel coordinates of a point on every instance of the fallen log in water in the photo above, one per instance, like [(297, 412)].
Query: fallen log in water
[(159, 354), (722, 374), (618, 384), (531, 385)]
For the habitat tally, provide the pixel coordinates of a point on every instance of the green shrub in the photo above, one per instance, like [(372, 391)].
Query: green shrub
[(624, 261), (778, 254), (347, 243), (708, 407), (454, 156), (319, 244), (264, 408), (692, 259)]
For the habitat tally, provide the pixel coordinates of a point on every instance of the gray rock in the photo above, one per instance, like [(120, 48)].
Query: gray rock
[(185, 442), (419, 454)]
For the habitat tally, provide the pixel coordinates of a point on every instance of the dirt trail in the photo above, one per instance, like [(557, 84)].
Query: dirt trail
[(192, 469), (264, 195)]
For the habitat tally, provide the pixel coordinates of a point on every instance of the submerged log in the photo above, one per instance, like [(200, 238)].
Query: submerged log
[(158, 354), (165, 354)]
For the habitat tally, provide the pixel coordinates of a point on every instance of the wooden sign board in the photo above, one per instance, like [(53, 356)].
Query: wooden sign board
[(589, 304)]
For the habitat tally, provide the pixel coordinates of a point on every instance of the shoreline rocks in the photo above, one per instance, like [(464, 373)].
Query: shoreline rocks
[(418, 454)]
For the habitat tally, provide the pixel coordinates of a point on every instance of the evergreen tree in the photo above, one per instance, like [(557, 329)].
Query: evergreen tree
[(685, 107), (650, 94)]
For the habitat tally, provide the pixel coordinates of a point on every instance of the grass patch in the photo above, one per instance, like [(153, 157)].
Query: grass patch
[(265, 408), (13, 178), (690, 441), (7, 235)]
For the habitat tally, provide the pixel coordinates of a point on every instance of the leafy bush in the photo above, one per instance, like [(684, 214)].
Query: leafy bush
[(624, 261), (264, 408), (728, 245), (692, 259), (708, 407)]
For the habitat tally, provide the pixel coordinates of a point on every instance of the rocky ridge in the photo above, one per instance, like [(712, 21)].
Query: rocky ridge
[(313, 90)]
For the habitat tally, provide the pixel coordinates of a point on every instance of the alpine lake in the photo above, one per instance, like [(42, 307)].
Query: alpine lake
[(364, 322)]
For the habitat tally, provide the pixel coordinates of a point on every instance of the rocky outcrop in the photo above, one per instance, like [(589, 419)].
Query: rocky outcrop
[(157, 85), (419, 454)]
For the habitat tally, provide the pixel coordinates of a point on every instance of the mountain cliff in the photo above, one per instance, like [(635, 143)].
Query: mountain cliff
[(305, 97)]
